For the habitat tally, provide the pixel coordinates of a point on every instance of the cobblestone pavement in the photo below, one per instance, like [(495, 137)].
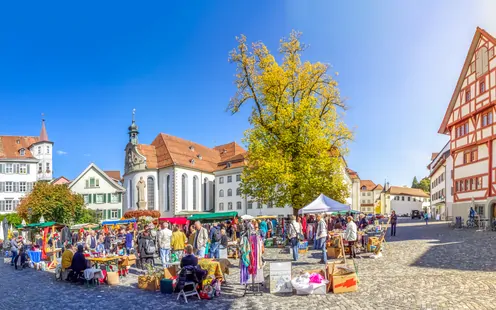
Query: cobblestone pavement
[(423, 267)]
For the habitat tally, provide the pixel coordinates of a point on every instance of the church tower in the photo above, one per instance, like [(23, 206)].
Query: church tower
[(43, 151), (133, 131)]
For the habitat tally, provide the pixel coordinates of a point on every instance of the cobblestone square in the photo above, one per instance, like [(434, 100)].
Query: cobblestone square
[(423, 267)]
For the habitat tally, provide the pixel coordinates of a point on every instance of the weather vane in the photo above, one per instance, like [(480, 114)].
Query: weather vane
[(42, 116), (134, 112)]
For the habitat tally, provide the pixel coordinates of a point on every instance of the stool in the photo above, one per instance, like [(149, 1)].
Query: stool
[(188, 293)]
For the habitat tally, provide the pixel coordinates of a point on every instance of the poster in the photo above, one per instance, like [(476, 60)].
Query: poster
[(280, 278)]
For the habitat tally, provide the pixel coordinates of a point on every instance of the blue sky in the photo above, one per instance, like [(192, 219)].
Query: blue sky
[(87, 66)]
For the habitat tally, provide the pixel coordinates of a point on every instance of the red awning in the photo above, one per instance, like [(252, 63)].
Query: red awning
[(174, 220)]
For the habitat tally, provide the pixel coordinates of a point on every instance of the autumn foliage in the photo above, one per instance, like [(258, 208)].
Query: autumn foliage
[(139, 213), (297, 134), (55, 202)]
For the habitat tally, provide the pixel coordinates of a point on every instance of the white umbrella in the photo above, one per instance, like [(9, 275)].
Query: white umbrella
[(2, 237), (247, 217)]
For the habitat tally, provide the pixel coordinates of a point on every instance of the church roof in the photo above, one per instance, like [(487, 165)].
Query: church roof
[(407, 191), (10, 146), (114, 174), (167, 150), (43, 132)]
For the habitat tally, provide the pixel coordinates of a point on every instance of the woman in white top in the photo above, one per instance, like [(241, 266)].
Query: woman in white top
[(293, 231), (350, 235)]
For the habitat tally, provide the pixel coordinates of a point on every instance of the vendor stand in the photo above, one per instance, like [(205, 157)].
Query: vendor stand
[(213, 217)]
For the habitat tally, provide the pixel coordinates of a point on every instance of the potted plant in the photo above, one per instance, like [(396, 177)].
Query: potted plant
[(151, 280)]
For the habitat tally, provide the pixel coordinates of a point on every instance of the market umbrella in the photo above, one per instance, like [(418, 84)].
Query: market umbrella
[(247, 217), (1, 232)]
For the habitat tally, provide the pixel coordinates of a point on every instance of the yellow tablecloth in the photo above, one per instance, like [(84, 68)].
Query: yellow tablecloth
[(213, 269)]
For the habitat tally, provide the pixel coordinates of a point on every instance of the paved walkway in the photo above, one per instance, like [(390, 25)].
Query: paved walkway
[(423, 267)]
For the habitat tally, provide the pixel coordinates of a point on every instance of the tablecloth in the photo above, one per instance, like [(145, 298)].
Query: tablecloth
[(35, 256), (213, 268), (93, 273)]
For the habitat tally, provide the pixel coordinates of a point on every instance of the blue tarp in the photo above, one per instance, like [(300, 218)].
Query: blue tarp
[(118, 222), (324, 204)]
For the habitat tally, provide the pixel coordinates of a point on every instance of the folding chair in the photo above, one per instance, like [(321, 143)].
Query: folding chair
[(192, 292)]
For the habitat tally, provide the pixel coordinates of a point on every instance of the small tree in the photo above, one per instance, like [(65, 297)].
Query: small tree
[(55, 202), (415, 183), (425, 185)]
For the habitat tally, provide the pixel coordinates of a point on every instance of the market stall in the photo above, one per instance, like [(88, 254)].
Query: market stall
[(324, 204), (213, 217)]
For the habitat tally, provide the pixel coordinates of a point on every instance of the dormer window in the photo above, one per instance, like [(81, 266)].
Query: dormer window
[(18, 141), (199, 157), (22, 152), (363, 188), (228, 165), (191, 148), (192, 161), (224, 151)]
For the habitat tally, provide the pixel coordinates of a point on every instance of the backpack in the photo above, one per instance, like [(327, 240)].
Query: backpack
[(150, 247), (216, 235)]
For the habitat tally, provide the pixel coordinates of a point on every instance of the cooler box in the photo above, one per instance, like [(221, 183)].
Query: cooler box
[(166, 286)]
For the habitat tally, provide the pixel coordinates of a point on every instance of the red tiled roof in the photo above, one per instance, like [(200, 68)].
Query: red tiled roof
[(352, 174), (434, 155), (10, 146), (114, 174), (369, 185), (229, 150), (61, 180), (43, 132), (150, 154), (407, 191), (378, 187)]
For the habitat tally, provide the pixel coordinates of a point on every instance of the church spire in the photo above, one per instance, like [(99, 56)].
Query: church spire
[(133, 131), (43, 132)]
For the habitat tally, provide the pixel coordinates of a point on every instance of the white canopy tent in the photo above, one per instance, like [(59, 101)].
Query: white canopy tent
[(324, 204)]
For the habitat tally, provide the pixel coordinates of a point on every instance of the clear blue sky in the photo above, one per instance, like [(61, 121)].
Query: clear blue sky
[(87, 65)]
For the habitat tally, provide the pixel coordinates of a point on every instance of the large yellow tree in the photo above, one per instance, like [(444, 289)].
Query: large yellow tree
[(297, 136)]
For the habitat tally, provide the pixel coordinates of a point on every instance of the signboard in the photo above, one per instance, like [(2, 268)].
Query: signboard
[(280, 278)]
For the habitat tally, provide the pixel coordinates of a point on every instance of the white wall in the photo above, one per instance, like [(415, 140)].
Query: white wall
[(225, 187), (30, 177), (44, 157), (133, 192), (190, 175), (404, 206), (105, 187)]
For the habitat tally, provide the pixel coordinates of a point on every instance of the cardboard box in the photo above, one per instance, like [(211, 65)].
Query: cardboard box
[(329, 268), (322, 290), (170, 272), (148, 283), (334, 253), (344, 281)]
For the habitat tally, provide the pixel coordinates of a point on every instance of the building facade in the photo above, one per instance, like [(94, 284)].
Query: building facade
[(403, 200), (183, 177), (441, 169), (370, 196), (24, 160), (469, 122), (100, 192), (353, 181)]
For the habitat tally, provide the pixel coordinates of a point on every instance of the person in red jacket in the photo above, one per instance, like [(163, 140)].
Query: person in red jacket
[(304, 224)]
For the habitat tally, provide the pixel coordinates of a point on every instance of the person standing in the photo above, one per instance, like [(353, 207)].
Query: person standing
[(164, 243), (200, 240), (263, 228), (350, 235), (13, 249), (426, 218), (178, 242), (215, 241), (321, 238), (394, 219), (129, 241), (293, 231), (91, 241), (146, 249)]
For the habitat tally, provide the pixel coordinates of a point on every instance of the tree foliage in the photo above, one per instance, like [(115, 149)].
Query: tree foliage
[(55, 202), (415, 183), (297, 137), (425, 185), (12, 218)]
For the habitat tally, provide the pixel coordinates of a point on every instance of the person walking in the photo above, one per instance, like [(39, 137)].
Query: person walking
[(394, 219), (164, 243), (201, 239), (321, 238), (146, 249), (426, 218), (350, 235), (294, 231)]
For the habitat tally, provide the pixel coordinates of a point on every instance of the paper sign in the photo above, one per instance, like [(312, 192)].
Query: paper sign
[(280, 278)]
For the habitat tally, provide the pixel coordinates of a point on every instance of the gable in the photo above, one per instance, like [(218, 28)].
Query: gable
[(479, 65), (105, 183)]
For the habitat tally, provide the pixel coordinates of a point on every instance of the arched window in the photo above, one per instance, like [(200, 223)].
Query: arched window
[(168, 193), (229, 206), (221, 193), (195, 192), (184, 191), (238, 191), (229, 192), (150, 185), (205, 191)]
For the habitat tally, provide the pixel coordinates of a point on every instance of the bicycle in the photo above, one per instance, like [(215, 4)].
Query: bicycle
[(473, 222)]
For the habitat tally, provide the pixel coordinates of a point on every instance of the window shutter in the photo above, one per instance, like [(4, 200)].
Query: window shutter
[(89, 198), (109, 198), (119, 197), (2, 187), (109, 214), (27, 168), (94, 198), (104, 198), (2, 168), (119, 213)]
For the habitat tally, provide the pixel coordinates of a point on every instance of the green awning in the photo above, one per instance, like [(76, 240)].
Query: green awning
[(213, 216), (39, 225)]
